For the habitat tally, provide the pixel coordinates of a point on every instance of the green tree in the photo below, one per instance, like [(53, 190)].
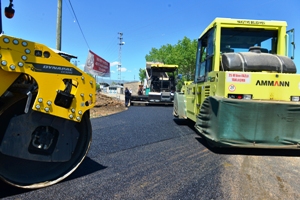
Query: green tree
[(183, 54), (186, 57), (142, 74), (97, 86)]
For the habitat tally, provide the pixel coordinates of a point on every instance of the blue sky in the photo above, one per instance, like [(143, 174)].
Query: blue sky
[(144, 24)]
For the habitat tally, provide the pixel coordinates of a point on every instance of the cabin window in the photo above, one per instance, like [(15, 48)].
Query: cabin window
[(205, 53), (241, 39)]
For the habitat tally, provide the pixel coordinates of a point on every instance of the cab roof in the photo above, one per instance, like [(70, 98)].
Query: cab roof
[(244, 23)]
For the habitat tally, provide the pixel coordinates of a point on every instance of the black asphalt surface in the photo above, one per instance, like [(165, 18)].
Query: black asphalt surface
[(144, 153)]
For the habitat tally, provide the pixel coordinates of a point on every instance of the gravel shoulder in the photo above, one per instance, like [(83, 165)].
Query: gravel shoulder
[(107, 105)]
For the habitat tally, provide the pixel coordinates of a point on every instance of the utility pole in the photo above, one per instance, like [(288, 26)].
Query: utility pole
[(1, 29), (120, 54), (58, 25)]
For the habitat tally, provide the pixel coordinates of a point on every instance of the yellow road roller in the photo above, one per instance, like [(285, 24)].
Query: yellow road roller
[(245, 92), (45, 128)]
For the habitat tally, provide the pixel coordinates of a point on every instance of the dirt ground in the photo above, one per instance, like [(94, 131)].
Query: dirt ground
[(106, 105)]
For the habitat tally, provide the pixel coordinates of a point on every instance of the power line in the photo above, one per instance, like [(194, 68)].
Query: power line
[(78, 24), (111, 48)]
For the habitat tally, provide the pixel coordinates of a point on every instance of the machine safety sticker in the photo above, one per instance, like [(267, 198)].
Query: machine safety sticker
[(237, 77), (231, 88)]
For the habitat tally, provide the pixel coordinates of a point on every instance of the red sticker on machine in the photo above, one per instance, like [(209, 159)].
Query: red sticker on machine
[(238, 77), (231, 88)]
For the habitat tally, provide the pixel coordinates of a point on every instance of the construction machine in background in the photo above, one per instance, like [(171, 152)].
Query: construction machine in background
[(45, 128), (159, 85), (245, 91)]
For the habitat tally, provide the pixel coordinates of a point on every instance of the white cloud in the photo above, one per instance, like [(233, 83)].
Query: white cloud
[(112, 71), (123, 69), (115, 63)]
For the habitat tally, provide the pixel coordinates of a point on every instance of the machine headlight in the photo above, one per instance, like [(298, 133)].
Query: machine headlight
[(24, 44), (295, 98), (3, 62), (240, 96), (6, 40), (20, 64), (27, 51), (24, 58), (247, 96), (15, 41)]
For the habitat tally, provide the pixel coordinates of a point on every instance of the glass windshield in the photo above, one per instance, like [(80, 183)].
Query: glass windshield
[(241, 39)]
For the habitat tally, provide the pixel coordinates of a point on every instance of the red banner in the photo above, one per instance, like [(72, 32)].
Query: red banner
[(96, 65)]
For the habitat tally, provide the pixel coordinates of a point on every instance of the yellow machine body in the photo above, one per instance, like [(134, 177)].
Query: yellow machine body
[(45, 128), (49, 69), (246, 92)]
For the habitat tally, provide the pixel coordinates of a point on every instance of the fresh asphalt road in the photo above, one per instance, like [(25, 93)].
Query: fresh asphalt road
[(144, 153)]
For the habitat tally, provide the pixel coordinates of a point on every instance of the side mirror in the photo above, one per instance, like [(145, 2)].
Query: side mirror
[(290, 43), (9, 11)]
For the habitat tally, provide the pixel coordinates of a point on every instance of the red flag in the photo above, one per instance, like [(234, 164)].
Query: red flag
[(96, 65)]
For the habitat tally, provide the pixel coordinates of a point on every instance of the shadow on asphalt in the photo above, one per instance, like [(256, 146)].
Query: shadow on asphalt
[(160, 105), (185, 122), (250, 151), (88, 166), (151, 105), (237, 151), (8, 190)]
